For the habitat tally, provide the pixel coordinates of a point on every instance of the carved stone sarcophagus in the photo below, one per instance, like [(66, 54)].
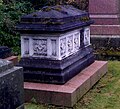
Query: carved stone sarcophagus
[(55, 44)]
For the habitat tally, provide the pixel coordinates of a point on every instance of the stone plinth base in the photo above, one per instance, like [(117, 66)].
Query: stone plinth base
[(69, 93), (56, 71)]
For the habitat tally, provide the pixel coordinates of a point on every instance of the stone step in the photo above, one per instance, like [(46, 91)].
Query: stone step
[(71, 92)]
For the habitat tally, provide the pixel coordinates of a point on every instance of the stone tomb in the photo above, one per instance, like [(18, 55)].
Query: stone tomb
[(55, 44), (11, 86)]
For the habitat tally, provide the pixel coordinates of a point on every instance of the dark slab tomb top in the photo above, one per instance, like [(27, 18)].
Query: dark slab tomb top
[(4, 52), (58, 18)]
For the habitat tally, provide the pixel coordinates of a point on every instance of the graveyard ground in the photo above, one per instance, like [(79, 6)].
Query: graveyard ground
[(104, 95)]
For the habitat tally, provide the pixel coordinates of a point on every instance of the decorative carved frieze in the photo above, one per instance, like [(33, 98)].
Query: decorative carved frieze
[(40, 47), (76, 41), (70, 44), (57, 47)]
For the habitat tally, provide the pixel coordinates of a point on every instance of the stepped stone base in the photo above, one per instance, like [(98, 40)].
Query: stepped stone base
[(56, 71), (69, 93)]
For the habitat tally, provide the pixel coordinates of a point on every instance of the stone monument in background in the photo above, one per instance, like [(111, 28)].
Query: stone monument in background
[(106, 29)]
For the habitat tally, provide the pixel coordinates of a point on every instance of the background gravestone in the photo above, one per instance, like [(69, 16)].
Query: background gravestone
[(11, 86), (105, 32)]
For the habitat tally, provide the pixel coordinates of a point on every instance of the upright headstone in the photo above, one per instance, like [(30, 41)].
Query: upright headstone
[(11, 86)]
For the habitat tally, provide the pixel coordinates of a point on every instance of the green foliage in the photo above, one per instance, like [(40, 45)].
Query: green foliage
[(81, 4), (9, 17), (1, 2), (37, 4)]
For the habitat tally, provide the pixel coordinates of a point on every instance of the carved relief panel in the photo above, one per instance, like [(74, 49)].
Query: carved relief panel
[(76, 41), (40, 47), (70, 44)]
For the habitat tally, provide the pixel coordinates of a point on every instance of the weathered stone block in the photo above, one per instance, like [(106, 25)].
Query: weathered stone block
[(11, 86)]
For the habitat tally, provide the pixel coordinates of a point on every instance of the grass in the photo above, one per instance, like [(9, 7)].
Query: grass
[(104, 95)]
